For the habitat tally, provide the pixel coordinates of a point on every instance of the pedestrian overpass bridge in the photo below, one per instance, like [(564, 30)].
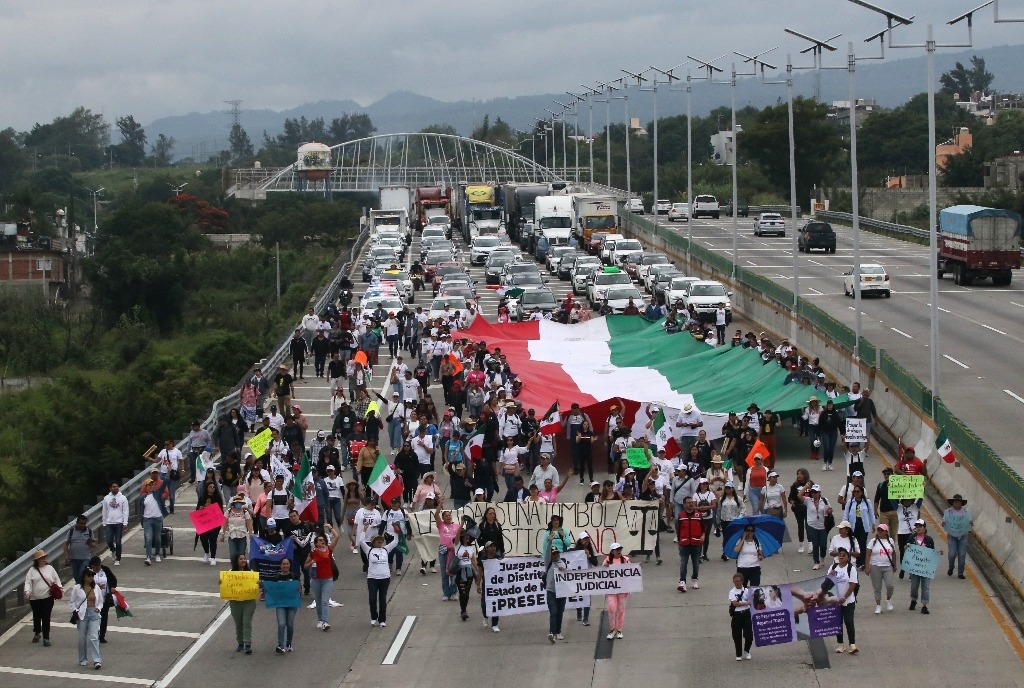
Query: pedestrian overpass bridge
[(413, 160)]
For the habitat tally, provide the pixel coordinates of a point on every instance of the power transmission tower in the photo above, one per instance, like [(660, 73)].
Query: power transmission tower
[(235, 111)]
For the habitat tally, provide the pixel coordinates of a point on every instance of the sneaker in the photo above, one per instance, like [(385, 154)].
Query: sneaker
[(559, 637), (725, 558), (878, 609), (398, 572), (801, 548), (611, 635), (962, 577), (486, 621), (825, 468), (240, 647), (83, 664), (888, 606), (355, 551), (319, 625), (681, 587), (148, 562), (495, 629), (332, 603), (739, 659), (373, 622), (695, 584), (206, 558), (747, 656), (289, 648), (382, 625), (551, 638), (117, 562), (618, 635), (854, 649), (311, 605), (213, 562), (924, 609), (36, 637), (46, 643), (248, 649), (816, 567), (158, 560), (327, 626), (279, 650), (433, 569), (423, 570), (949, 571), (913, 605), (840, 649)]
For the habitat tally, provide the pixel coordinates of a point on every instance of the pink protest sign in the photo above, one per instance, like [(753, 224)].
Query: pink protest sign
[(206, 519)]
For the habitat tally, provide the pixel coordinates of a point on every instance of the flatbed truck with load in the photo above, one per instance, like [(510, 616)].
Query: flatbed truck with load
[(977, 243)]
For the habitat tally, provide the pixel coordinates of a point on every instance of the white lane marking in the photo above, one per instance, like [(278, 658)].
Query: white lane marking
[(1015, 396), (819, 293), (816, 263), (950, 358), (752, 264), (1018, 305), (75, 676), (901, 332), (940, 308), (125, 629), (403, 634), (191, 531), (987, 327), (157, 591), (194, 650)]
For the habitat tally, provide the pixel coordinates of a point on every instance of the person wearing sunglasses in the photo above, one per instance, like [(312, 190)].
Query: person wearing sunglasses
[(749, 557)]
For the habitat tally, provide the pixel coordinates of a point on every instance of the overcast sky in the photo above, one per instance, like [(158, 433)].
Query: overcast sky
[(153, 59)]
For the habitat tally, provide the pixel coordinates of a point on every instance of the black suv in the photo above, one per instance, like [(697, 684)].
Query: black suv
[(741, 205), (817, 235)]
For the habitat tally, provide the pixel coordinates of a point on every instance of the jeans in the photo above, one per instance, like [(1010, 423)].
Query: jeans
[(921, 582), (172, 488), (689, 554), (237, 546), (510, 480), (77, 567), (285, 625), (816, 539), (828, 444), (395, 432), (334, 511), (447, 582), (378, 591), (958, 552), (89, 635), (848, 611), (755, 499), (241, 612), (322, 589), (556, 610), (112, 534), (151, 528)]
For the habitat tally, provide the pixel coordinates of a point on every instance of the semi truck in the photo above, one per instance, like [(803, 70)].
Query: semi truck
[(390, 220), (555, 220), (519, 200), (432, 202), (396, 198), (977, 243), (479, 212), (594, 214)]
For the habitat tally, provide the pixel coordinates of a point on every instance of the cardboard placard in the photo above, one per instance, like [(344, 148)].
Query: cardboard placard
[(239, 586), (906, 487), (920, 561), (206, 519)]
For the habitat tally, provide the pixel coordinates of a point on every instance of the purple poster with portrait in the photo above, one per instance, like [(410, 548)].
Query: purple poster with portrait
[(771, 613)]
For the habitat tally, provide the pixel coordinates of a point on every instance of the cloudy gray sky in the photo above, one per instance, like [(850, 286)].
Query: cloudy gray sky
[(155, 59)]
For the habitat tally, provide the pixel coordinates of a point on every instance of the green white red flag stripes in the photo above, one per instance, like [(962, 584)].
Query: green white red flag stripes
[(944, 448), (383, 480), (304, 491)]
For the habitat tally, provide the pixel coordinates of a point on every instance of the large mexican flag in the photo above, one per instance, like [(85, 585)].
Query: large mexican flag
[(628, 362)]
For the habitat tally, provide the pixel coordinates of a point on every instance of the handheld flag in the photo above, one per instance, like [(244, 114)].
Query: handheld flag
[(944, 448), (474, 450), (384, 481), (304, 491), (758, 448), (552, 421), (663, 437)]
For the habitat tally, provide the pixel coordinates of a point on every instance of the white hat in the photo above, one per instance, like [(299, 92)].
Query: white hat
[(629, 470), (815, 487), (614, 547), (687, 408), (479, 491), (595, 483), (773, 474), (582, 534), (857, 473), (845, 524)]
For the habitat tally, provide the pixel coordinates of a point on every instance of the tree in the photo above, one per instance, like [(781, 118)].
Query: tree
[(77, 140), (162, 150), (132, 150), (12, 160), (240, 144), (964, 81), (349, 127), (964, 169)]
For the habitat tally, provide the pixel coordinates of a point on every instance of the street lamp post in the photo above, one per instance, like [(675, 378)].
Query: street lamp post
[(608, 128), (178, 188), (711, 69), (95, 223), (577, 99), (894, 20), (654, 89)]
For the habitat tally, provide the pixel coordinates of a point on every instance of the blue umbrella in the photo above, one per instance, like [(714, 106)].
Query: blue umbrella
[(768, 530)]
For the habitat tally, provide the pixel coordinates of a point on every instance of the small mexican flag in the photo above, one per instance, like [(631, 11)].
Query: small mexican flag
[(304, 491), (383, 480), (202, 463), (552, 421), (944, 448), (663, 437), (474, 449)]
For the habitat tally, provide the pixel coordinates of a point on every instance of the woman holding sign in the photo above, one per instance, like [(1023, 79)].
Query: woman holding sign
[(242, 610), (922, 539), (957, 523), (616, 603), (210, 497)]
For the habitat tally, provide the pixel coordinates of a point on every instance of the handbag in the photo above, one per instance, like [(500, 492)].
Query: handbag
[(453, 565), (56, 591), (74, 618), (174, 474)]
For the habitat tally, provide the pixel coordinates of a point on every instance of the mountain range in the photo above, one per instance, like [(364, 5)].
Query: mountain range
[(890, 83)]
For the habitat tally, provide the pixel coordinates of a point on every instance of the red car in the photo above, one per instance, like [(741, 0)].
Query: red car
[(594, 244)]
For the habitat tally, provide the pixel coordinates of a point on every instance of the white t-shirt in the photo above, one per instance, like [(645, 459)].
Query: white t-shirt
[(169, 458), (747, 558), (844, 576), (848, 543), (740, 595), (367, 523), (883, 552), (423, 447), (774, 495), (334, 486)]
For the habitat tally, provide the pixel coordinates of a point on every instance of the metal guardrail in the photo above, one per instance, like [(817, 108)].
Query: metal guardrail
[(12, 577)]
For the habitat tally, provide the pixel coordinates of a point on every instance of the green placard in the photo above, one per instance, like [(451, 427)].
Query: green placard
[(906, 486), (637, 457)]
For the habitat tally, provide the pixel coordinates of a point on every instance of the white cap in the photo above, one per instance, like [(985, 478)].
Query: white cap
[(582, 534), (614, 547), (479, 490), (815, 487), (595, 483)]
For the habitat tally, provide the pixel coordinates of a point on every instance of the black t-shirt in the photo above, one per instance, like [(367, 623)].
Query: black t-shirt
[(882, 497), (335, 368), (230, 473), (283, 384)]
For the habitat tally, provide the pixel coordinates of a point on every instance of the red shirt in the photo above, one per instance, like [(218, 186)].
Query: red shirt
[(757, 477), (911, 467), (322, 560)]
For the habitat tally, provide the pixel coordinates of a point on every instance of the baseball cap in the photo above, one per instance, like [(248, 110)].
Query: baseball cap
[(479, 491), (271, 523), (815, 487), (592, 484), (856, 474)]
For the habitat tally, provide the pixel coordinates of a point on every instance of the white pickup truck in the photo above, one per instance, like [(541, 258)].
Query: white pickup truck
[(707, 205)]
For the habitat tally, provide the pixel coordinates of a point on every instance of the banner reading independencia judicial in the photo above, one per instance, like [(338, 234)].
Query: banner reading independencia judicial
[(632, 524)]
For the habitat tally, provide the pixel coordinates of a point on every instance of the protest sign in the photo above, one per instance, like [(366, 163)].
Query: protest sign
[(786, 613), (771, 610), (956, 523), (282, 594), (637, 457), (600, 580), (206, 519), (265, 557), (906, 487), (514, 585), (920, 561), (239, 585), (576, 560), (633, 524), (857, 430), (259, 442)]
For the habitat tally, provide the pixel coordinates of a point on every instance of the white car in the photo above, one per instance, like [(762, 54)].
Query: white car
[(647, 261), (391, 304), (623, 247), (635, 205), (608, 245), (652, 274), (435, 232), (679, 211), (705, 296), (481, 247), (454, 303), (679, 289), (617, 298), (707, 205), (770, 223), (579, 276), (662, 206), (873, 280), (601, 280), (400, 280)]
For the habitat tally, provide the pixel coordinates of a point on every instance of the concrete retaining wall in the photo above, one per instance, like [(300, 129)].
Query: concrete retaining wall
[(997, 529)]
